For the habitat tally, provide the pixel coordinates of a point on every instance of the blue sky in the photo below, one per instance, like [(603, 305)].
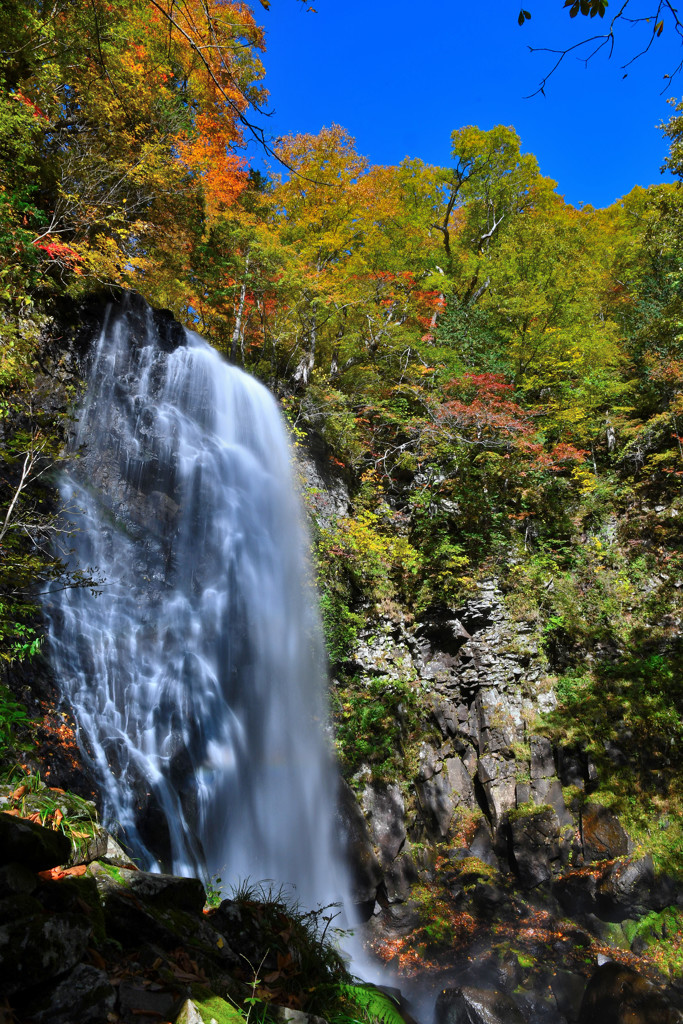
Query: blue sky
[(401, 76)]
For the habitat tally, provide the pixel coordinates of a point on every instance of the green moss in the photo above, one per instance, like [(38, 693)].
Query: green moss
[(473, 867), (529, 810), (661, 934), (212, 1008), (375, 719)]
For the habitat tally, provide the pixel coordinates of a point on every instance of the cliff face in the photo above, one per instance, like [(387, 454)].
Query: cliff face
[(498, 846)]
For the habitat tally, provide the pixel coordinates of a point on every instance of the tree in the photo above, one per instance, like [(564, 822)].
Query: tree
[(138, 109), (651, 20), (491, 184)]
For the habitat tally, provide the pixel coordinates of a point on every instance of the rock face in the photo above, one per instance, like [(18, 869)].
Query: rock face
[(481, 679), (480, 821)]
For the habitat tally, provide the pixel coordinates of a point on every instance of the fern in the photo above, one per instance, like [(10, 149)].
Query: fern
[(375, 1005)]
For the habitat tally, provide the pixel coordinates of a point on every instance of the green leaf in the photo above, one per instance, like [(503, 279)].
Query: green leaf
[(378, 1006)]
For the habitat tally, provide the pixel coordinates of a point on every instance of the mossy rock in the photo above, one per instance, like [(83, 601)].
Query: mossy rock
[(207, 1008)]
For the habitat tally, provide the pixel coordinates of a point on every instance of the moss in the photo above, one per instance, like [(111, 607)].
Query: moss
[(529, 810), (212, 1008), (100, 868), (661, 935)]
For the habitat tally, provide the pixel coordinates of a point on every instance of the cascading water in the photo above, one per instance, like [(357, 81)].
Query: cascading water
[(196, 674)]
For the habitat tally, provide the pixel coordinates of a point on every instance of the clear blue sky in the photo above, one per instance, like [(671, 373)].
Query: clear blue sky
[(401, 76)]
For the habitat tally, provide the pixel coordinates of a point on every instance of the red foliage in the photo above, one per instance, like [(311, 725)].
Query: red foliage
[(489, 412), (60, 252)]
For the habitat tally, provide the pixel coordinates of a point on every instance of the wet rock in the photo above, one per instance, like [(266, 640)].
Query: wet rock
[(619, 995), (536, 1010), (84, 995), (384, 808), (603, 836), (568, 989), (500, 972), (468, 1005), (37, 848), (327, 492), (366, 872)]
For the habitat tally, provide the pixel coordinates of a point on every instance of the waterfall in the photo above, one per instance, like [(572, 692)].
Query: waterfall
[(196, 675)]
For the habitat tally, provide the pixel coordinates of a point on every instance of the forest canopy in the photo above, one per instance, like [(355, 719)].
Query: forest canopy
[(497, 375)]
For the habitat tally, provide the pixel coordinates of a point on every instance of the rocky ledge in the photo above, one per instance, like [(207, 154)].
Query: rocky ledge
[(101, 942)]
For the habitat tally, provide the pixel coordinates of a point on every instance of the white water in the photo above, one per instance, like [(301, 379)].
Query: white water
[(196, 676)]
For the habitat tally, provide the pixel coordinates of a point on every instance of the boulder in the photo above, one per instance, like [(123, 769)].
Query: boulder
[(602, 834), (631, 889), (468, 1005), (568, 989), (36, 948), (84, 995), (621, 890), (152, 918), (619, 995), (16, 878), (37, 848), (535, 834), (160, 891), (137, 999), (172, 891)]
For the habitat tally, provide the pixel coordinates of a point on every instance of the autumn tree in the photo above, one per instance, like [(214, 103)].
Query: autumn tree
[(138, 108)]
